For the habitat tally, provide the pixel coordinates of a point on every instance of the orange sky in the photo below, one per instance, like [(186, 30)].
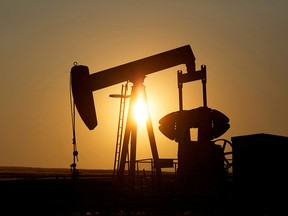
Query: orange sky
[(243, 44)]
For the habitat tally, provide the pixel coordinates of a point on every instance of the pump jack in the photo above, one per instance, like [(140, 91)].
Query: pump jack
[(210, 121)]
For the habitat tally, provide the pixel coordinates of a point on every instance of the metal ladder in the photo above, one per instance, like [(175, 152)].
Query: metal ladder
[(123, 97)]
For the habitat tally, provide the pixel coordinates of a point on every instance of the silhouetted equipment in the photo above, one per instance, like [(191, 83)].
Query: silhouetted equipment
[(74, 171), (83, 97), (201, 162), (83, 84), (227, 146), (123, 96), (217, 122), (260, 165)]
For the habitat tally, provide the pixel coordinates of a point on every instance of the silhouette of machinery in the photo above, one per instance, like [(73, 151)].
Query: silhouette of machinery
[(199, 162)]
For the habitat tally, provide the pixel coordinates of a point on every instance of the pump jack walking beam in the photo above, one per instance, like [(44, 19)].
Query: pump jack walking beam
[(83, 83)]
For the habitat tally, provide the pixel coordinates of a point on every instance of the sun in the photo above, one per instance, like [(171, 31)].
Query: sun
[(140, 112)]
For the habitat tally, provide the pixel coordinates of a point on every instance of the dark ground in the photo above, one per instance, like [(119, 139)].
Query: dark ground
[(40, 192)]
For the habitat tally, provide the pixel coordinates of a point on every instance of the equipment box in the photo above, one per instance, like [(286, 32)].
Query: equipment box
[(260, 164)]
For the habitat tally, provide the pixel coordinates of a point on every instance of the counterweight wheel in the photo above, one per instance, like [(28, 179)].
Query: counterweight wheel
[(227, 148)]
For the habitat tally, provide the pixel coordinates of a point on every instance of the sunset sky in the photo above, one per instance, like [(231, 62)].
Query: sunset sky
[(242, 43)]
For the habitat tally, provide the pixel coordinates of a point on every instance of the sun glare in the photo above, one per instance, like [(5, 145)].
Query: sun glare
[(140, 111)]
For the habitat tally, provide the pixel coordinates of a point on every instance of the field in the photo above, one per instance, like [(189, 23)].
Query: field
[(43, 191), (17, 173)]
